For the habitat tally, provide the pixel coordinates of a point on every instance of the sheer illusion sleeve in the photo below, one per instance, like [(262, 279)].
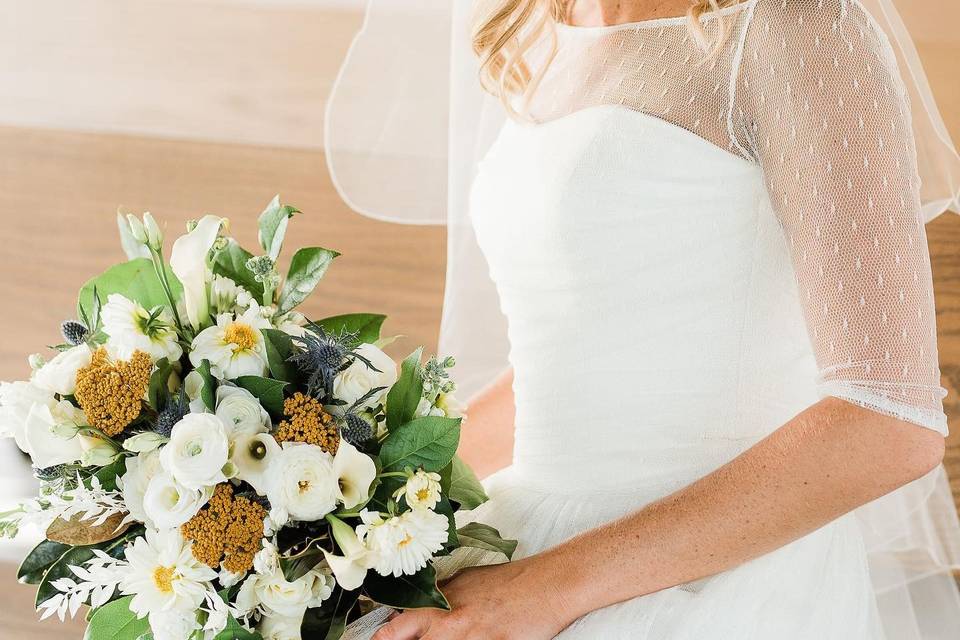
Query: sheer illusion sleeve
[(821, 107)]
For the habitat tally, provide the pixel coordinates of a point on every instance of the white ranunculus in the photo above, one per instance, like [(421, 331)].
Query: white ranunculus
[(60, 374), (355, 472), (355, 381), (135, 480), (45, 447), (16, 401), (234, 346), (241, 411), (251, 455), (168, 504), (280, 628), (350, 569), (173, 625), (197, 451), (188, 261), (402, 545), (422, 490), (126, 324), (272, 594), (302, 484)]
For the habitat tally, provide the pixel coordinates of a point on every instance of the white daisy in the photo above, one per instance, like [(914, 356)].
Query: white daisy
[(402, 545), (163, 575), (234, 346), (422, 490), (131, 328)]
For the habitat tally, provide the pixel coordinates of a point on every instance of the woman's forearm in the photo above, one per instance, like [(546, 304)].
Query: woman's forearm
[(486, 439), (826, 461)]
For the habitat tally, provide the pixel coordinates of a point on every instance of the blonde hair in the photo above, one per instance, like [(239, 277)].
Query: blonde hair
[(504, 31)]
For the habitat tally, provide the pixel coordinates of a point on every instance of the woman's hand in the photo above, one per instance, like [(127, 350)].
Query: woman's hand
[(514, 601)]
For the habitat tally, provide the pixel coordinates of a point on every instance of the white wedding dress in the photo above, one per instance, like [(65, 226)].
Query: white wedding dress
[(690, 255)]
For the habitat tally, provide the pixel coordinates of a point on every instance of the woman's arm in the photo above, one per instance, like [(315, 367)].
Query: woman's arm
[(828, 460), (486, 440)]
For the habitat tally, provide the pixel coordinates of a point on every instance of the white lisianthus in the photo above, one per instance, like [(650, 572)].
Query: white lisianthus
[(16, 401), (234, 345), (422, 490), (44, 432), (60, 374), (251, 455), (193, 385), (135, 480), (301, 483), (163, 575), (241, 411), (168, 504), (273, 595), (356, 380), (355, 472), (350, 569), (188, 261), (197, 452), (280, 628), (97, 453), (173, 624), (144, 442), (402, 545), (132, 328)]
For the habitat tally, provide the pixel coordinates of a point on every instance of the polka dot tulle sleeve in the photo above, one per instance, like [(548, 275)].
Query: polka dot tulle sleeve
[(820, 106)]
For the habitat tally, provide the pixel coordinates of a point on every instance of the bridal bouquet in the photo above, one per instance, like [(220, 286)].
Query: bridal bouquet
[(213, 465)]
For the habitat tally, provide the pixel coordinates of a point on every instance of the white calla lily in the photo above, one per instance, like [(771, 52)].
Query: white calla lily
[(189, 262), (355, 473), (350, 569)]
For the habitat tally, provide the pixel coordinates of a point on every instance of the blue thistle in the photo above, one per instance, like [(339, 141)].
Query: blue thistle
[(75, 333), (322, 356), (176, 409)]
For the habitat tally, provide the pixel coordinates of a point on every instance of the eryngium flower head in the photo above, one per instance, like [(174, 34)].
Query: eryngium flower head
[(176, 409), (356, 429), (321, 356), (74, 332)]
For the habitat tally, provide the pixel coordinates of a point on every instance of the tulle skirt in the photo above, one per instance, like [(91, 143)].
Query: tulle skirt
[(817, 587)]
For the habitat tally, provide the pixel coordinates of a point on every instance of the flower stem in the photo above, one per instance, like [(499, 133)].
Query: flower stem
[(160, 268)]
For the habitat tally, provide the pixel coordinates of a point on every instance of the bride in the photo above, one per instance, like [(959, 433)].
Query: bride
[(705, 226)]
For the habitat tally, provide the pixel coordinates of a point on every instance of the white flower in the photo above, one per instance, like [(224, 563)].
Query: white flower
[(302, 484), (188, 261), (280, 628), (226, 296), (293, 323), (234, 346), (193, 384), (197, 451), (241, 411), (350, 569), (173, 624), (168, 504), (60, 374), (132, 328), (135, 480), (144, 442), (16, 401), (355, 381), (355, 472), (163, 575), (97, 453), (402, 545), (422, 490), (40, 435), (252, 455), (273, 595)]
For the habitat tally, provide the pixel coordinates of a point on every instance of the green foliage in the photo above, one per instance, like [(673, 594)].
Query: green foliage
[(366, 326), (159, 384), (306, 270), (209, 391), (136, 280), (268, 391), (404, 396), (115, 621), (329, 621), (279, 348), (235, 631), (429, 442), (231, 262), (465, 489), (39, 560), (483, 536), (273, 226), (418, 591)]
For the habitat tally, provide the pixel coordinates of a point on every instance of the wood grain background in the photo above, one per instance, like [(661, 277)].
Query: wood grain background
[(185, 108)]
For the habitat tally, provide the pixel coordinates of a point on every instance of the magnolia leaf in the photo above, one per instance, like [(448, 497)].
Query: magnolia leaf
[(404, 396), (418, 591), (273, 226), (365, 325), (231, 262), (429, 443), (306, 270), (136, 280), (329, 621), (81, 533), (209, 391), (465, 489), (279, 346), (115, 621), (481, 536), (269, 392), (39, 560)]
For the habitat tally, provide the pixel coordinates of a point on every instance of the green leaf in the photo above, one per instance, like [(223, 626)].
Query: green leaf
[(108, 475), (231, 262), (306, 270), (39, 560), (329, 621), (76, 556), (269, 392), (159, 384), (429, 442), (273, 226), (404, 396), (445, 508), (235, 631), (365, 325), (279, 347), (209, 391), (465, 488), (482, 536), (115, 621), (135, 280), (418, 591)]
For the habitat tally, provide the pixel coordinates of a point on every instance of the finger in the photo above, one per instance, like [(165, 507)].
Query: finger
[(406, 626)]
